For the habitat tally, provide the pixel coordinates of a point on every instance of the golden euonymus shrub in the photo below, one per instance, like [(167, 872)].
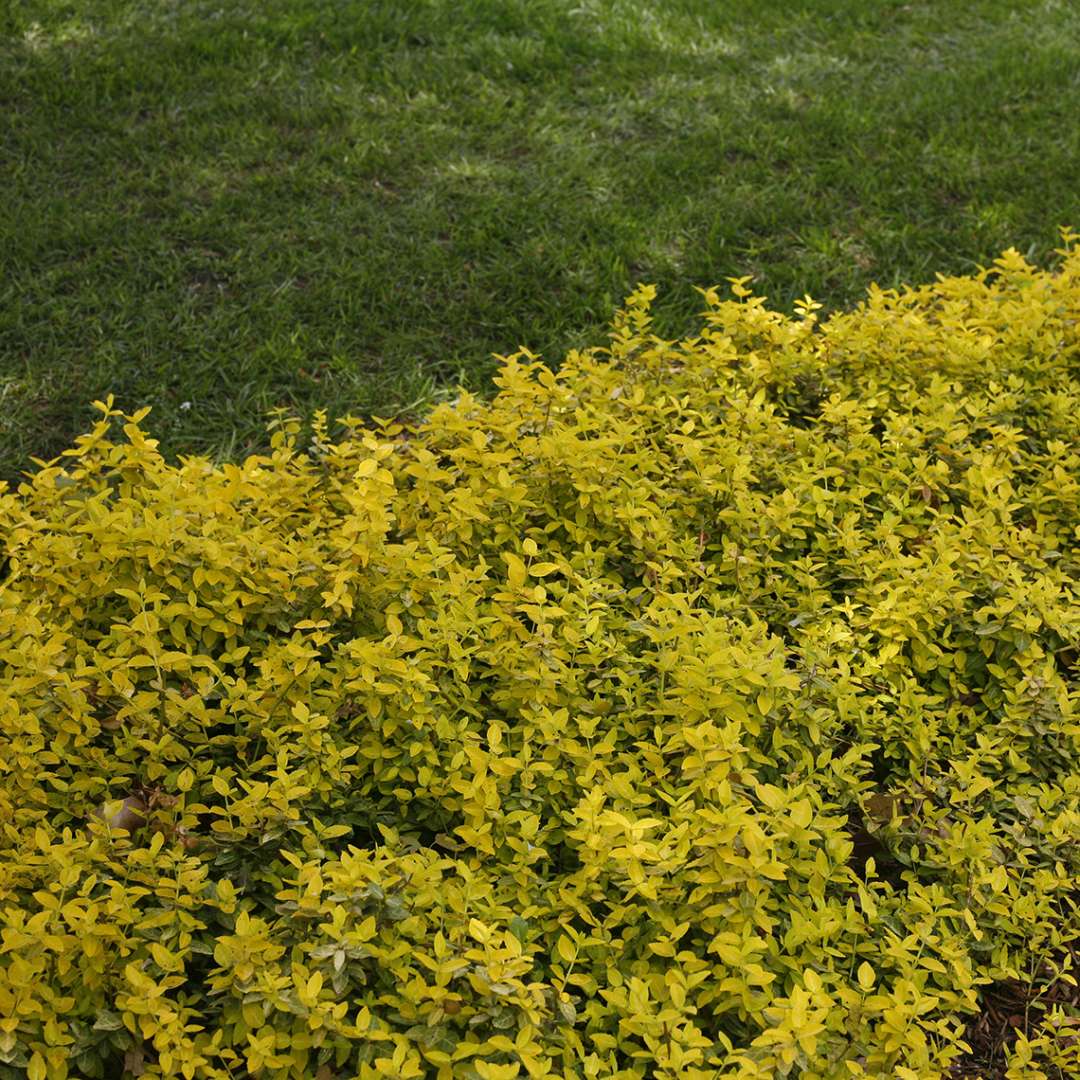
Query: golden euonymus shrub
[(705, 709)]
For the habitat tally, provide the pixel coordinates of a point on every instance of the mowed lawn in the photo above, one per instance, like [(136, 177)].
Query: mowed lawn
[(218, 208)]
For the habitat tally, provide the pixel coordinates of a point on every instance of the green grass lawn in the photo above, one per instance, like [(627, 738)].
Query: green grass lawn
[(218, 208)]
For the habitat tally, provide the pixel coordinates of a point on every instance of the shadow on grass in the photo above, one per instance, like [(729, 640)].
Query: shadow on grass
[(349, 205)]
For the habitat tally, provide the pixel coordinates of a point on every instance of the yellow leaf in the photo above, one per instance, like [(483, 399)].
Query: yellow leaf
[(802, 813), (516, 572)]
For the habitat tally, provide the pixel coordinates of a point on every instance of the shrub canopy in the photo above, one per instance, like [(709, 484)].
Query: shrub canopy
[(706, 708)]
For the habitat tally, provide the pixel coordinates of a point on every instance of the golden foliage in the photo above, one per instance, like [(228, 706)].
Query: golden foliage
[(536, 741)]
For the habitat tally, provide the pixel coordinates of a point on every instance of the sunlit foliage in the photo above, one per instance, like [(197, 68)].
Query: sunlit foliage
[(543, 739)]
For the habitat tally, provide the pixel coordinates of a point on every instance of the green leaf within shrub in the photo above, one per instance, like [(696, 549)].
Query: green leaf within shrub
[(705, 709)]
